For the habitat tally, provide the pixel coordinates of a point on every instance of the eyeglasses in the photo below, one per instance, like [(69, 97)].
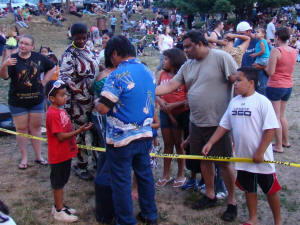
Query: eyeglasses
[(56, 84)]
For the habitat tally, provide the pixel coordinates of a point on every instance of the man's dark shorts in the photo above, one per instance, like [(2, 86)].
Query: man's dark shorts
[(247, 182), (60, 173), (199, 136)]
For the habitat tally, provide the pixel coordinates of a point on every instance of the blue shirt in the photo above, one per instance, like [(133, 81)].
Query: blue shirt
[(247, 59), (131, 87), (258, 49), (113, 21)]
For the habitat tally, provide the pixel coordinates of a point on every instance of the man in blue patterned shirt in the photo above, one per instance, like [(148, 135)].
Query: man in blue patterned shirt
[(128, 99)]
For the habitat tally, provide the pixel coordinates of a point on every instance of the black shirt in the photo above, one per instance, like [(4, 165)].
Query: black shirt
[(26, 88)]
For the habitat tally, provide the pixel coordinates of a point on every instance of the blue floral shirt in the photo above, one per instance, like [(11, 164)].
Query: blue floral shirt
[(131, 87)]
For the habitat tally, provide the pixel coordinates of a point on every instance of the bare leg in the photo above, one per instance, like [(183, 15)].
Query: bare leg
[(168, 149), (208, 174), (284, 124), (35, 123), (229, 179), (21, 123), (274, 203), (178, 139), (251, 200), (278, 132), (58, 198)]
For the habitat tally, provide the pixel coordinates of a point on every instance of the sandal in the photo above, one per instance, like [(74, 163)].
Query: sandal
[(286, 146), (179, 183), (22, 166), (276, 150), (163, 182), (42, 162)]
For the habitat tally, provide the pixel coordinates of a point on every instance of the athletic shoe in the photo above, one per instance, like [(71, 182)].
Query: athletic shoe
[(230, 214), (202, 189), (141, 218), (205, 203), (221, 195), (72, 211), (192, 183), (64, 215)]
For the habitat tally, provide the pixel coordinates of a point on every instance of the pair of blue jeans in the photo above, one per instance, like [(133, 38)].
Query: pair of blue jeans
[(135, 155), (262, 82)]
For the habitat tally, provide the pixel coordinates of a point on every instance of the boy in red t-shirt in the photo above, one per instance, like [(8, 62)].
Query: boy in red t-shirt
[(61, 147)]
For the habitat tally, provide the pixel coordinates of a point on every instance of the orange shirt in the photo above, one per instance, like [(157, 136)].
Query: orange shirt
[(177, 96), (55, 75), (283, 76)]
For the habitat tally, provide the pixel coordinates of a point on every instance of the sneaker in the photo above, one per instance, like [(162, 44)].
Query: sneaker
[(221, 195), (230, 214), (141, 218), (205, 203), (202, 189), (72, 211), (64, 215), (190, 184)]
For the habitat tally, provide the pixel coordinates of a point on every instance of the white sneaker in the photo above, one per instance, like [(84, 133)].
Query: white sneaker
[(221, 195), (64, 215), (72, 211)]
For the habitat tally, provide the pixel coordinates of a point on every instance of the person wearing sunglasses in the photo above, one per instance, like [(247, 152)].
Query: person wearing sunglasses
[(79, 68), (26, 95)]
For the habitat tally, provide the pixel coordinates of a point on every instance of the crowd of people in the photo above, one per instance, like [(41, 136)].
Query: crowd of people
[(210, 81)]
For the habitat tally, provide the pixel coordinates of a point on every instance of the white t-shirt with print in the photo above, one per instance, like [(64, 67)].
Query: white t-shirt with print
[(248, 117)]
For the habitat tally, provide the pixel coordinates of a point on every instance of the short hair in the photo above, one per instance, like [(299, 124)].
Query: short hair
[(263, 30), (250, 73), (177, 57), (121, 45), (217, 23), (49, 86), (78, 28), (196, 37), (283, 34), (29, 37), (107, 60), (109, 34), (48, 49)]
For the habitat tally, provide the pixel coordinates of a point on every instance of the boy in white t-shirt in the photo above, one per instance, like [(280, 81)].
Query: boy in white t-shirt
[(252, 120)]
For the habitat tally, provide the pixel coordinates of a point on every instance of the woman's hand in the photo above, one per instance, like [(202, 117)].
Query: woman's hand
[(10, 62), (73, 87)]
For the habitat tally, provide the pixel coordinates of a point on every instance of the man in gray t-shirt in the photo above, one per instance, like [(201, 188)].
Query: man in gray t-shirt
[(208, 76)]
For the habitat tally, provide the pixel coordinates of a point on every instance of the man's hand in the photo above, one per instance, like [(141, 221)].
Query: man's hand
[(258, 157), (253, 55), (206, 149)]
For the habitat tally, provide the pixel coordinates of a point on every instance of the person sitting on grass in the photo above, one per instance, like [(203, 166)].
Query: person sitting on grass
[(61, 147), (253, 121)]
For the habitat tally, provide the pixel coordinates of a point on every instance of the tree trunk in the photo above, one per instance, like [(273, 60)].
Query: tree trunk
[(67, 6)]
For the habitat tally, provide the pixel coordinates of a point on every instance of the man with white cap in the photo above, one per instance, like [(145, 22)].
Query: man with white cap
[(245, 29)]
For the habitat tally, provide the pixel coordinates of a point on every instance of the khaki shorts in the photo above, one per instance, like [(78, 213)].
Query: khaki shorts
[(199, 136)]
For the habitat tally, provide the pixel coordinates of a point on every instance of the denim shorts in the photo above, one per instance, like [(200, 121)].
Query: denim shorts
[(277, 94), (182, 120), (19, 111)]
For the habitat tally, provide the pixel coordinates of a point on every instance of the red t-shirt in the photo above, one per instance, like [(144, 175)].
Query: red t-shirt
[(177, 96), (58, 121)]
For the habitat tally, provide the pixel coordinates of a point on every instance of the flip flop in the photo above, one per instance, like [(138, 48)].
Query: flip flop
[(179, 183), (246, 223), (22, 166), (42, 162), (163, 182), (286, 146), (277, 151)]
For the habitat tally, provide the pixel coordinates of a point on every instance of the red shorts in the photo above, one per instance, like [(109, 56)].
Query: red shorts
[(247, 182)]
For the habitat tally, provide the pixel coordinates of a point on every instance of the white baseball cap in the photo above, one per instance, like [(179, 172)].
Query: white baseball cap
[(243, 26)]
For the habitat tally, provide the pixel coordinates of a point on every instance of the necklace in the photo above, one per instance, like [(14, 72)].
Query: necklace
[(73, 44)]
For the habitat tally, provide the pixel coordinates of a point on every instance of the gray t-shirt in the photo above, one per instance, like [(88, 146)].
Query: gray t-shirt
[(209, 90)]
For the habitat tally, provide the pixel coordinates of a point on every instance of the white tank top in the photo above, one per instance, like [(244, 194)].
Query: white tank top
[(167, 43)]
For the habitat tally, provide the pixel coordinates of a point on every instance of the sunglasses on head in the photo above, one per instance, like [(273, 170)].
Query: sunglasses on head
[(56, 84)]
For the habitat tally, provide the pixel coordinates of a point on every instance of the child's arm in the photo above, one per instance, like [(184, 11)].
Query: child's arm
[(216, 136), (65, 136), (267, 137), (262, 50)]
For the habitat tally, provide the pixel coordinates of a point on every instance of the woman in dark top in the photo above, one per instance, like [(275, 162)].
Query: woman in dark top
[(26, 97)]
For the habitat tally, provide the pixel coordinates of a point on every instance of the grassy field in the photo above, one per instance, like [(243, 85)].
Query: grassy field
[(29, 196)]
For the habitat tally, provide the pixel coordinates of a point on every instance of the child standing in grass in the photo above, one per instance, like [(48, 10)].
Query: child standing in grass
[(61, 147), (253, 121)]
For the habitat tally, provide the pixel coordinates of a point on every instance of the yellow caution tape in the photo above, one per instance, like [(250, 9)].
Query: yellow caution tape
[(161, 155)]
